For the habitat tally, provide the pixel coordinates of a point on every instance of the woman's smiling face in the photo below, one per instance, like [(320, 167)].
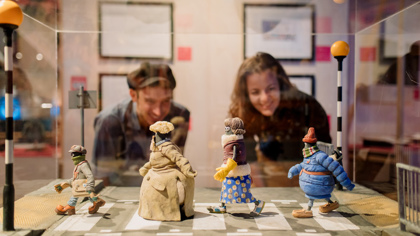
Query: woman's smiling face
[(264, 92)]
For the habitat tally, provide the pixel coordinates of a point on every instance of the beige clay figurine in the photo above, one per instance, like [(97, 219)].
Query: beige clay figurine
[(167, 190)]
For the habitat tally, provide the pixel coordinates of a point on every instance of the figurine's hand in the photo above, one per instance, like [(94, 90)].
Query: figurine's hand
[(58, 188), (222, 172), (191, 174), (188, 171), (289, 175), (143, 171), (337, 155), (351, 187), (220, 175)]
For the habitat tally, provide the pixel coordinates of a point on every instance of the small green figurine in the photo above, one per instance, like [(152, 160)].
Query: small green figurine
[(82, 184)]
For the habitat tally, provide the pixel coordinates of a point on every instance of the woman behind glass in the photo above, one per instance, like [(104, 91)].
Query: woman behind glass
[(276, 116)]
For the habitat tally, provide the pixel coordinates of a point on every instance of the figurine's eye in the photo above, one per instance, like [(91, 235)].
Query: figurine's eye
[(227, 129)]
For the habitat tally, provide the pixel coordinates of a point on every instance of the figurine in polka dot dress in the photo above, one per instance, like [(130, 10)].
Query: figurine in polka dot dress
[(235, 172)]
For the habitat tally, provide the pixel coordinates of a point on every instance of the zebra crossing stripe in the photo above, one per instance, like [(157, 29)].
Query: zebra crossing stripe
[(286, 202), (82, 220), (313, 234), (244, 234), (102, 234), (203, 220), (332, 221), (271, 222), (139, 223), (174, 234)]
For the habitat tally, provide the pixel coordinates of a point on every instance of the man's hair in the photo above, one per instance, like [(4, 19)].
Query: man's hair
[(149, 75)]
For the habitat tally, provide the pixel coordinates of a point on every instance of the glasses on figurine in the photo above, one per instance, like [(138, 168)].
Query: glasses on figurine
[(227, 129)]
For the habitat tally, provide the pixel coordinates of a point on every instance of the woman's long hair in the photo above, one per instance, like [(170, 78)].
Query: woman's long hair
[(240, 103)]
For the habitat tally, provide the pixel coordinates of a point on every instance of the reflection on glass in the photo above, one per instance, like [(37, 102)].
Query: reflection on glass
[(277, 116), (122, 136), (387, 104)]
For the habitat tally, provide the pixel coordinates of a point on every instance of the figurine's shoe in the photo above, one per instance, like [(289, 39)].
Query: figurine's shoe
[(259, 206), (328, 207), (219, 209), (95, 207), (302, 213), (70, 210)]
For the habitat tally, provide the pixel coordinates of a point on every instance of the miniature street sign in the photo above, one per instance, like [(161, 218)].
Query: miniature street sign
[(89, 99), (81, 99)]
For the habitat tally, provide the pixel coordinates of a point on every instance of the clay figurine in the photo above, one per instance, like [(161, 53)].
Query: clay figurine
[(82, 184), (235, 172), (316, 176), (167, 190)]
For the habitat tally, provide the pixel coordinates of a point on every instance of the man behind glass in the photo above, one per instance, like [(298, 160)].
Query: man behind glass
[(122, 135)]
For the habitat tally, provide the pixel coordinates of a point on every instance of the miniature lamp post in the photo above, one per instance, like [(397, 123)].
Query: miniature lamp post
[(11, 17), (339, 50)]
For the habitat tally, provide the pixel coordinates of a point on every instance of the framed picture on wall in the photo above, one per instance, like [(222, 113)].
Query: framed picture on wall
[(284, 31), (394, 41), (305, 83), (112, 89), (136, 30)]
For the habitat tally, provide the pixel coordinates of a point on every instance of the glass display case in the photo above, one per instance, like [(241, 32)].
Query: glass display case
[(62, 45), (384, 128), (36, 95)]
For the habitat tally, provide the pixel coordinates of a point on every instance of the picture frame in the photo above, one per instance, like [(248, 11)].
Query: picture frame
[(136, 30), (112, 88), (285, 31), (386, 53), (391, 44), (305, 83)]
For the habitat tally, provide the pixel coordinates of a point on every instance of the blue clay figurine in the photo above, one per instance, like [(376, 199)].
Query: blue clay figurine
[(316, 176)]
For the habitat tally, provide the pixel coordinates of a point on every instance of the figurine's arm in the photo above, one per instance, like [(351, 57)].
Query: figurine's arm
[(223, 171), (67, 183), (234, 152), (145, 168), (295, 170), (85, 169), (175, 156), (336, 169)]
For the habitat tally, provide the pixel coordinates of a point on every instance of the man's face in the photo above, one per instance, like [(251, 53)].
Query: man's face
[(153, 104)]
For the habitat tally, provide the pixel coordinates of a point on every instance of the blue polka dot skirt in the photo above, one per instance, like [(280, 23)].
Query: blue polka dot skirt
[(237, 190)]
